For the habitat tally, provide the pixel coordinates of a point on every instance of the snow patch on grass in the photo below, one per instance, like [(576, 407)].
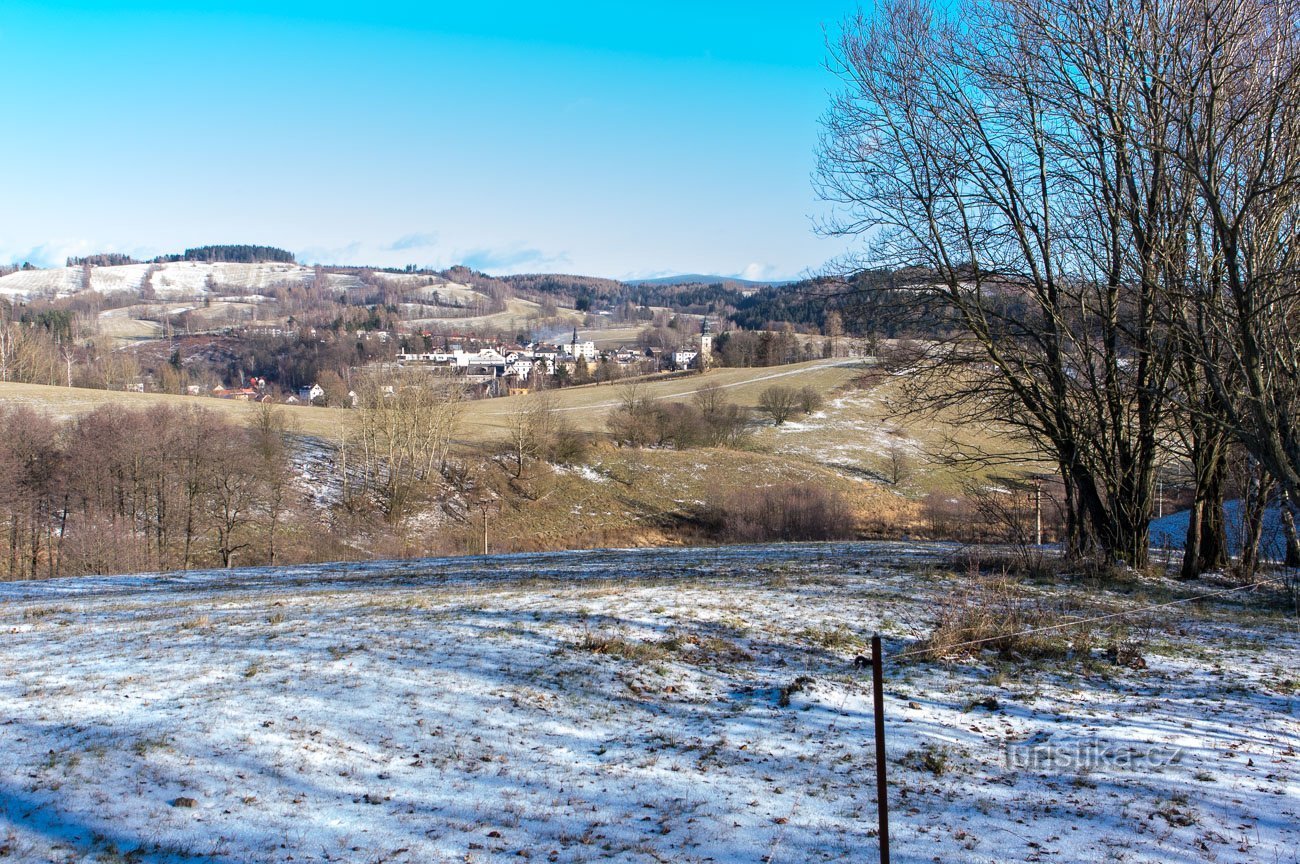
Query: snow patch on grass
[(643, 705)]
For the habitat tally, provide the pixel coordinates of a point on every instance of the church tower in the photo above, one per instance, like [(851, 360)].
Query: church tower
[(706, 345)]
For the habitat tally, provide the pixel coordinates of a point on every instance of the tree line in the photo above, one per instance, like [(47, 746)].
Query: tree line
[(123, 491), (231, 254)]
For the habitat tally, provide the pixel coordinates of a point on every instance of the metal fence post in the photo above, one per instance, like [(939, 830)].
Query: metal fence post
[(878, 697)]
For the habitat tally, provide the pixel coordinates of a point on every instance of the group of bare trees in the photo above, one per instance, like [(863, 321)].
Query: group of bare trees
[(710, 419), (121, 490), (394, 447), (781, 403), (1106, 197)]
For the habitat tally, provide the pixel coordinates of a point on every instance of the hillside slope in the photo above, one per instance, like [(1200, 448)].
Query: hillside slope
[(173, 280)]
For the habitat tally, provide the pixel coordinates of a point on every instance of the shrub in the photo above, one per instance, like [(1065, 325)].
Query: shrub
[(809, 400), (778, 403), (801, 511), (711, 421), (994, 614)]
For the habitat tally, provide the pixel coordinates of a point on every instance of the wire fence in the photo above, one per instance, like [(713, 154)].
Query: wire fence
[(1291, 581), (1079, 622)]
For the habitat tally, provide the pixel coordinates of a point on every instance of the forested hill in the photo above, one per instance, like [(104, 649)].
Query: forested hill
[(221, 254), (881, 302), (233, 254)]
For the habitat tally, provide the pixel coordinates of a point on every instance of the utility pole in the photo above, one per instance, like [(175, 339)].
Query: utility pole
[(1038, 511), (485, 537)]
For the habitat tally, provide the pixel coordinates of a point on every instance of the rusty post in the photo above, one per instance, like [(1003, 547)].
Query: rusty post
[(878, 697)]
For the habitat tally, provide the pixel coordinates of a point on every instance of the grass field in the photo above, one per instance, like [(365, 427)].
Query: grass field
[(612, 337), (587, 408), (684, 705), (66, 403), (519, 315)]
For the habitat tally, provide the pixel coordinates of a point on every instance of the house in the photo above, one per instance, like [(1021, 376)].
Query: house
[(521, 366), (311, 394), (684, 359)]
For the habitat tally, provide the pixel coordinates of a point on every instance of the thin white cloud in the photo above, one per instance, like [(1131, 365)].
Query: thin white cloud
[(756, 272), (54, 253), (512, 260), (426, 240)]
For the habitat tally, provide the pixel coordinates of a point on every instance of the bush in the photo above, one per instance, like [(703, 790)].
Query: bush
[(994, 614), (809, 400), (711, 421), (778, 403), (802, 511), (567, 446)]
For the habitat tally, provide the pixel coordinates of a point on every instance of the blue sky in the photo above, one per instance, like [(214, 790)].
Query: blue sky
[(619, 139)]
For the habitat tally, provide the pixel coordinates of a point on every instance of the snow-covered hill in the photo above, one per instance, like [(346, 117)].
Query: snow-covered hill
[(681, 705), (176, 280)]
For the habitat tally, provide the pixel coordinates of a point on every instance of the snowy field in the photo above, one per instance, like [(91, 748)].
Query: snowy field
[(173, 280), (652, 705)]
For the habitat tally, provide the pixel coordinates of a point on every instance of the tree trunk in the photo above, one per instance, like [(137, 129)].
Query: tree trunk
[(1287, 515), (1255, 504)]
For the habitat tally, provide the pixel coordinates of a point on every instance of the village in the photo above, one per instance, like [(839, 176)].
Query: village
[(493, 368)]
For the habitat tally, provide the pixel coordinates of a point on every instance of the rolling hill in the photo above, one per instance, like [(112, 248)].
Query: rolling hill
[(702, 279)]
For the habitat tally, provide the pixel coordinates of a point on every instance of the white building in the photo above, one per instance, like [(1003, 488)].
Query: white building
[(683, 359), (521, 366), (586, 350)]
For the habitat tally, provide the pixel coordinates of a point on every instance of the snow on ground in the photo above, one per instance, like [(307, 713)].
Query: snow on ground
[(586, 472), (849, 433), (176, 279), (618, 705)]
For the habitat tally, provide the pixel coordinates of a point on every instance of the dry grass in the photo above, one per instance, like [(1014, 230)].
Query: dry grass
[(997, 615), (588, 407), (860, 432), (993, 614), (67, 403), (626, 649)]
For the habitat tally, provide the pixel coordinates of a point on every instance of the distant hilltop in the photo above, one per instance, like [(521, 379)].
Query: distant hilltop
[(171, 280), (702, 279), (222, 254)]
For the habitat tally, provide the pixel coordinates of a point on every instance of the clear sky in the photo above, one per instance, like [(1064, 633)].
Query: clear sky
[(613, 139)]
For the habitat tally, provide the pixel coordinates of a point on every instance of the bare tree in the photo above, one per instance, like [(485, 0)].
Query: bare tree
[(833, 329), (898, 463), (268, 433), (533, 427), (1012, 158), (403, 433), (779, 403), (1238, 112), (638, 419)]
